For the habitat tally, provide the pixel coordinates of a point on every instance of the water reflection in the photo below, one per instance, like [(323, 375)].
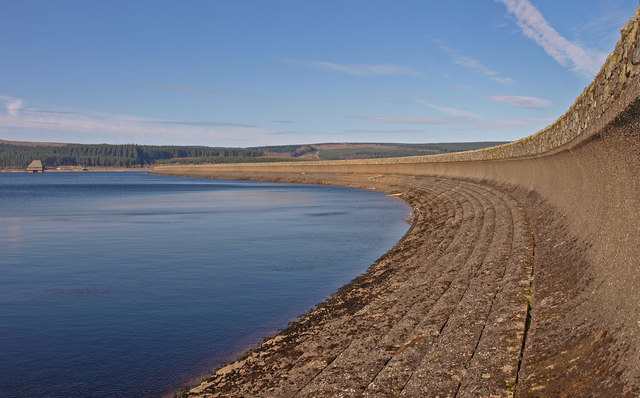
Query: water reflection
[(128, 284)]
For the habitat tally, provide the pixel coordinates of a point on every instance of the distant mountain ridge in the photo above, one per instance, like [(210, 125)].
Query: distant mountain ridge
[(18, 154)]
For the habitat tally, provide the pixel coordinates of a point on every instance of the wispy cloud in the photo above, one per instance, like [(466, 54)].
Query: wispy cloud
[(522, 101), (474, 64), (401, 119), (455, 119), (451, 111), (525, 125), (565, 52), (186, 89), (385, 131), (126, 128), (197, 123), (12, 105), (360, 69), (603, 30)]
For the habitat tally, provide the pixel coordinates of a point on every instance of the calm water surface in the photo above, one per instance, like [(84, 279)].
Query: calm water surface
[(127, 285)]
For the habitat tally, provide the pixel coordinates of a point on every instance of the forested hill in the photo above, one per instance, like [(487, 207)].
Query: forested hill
[(17, 155)]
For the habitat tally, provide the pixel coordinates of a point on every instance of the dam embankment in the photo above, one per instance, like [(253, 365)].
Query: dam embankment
[(521, 274)]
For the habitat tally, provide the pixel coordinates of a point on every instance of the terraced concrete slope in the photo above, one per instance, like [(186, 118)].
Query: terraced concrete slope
[(520, 275)]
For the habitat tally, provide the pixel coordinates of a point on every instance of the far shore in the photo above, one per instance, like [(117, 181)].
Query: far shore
[(83, 170)]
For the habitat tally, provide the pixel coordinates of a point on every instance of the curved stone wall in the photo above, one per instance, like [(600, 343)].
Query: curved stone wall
[(585, 165)]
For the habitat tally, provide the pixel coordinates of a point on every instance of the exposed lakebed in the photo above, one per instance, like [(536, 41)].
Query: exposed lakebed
[(129, 284)]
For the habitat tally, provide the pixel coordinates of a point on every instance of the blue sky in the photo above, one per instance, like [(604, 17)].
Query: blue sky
[(243, 73)]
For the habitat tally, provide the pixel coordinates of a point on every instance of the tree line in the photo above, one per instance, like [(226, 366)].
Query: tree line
[(107, 155)]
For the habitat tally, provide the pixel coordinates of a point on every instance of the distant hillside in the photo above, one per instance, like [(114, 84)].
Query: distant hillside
[(18, 154), (338, 151)]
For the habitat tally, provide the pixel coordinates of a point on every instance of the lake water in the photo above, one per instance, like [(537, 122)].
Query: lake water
[(130, 284)]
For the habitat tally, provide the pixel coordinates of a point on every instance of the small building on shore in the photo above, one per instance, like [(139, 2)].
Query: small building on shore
[(35, 166)]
